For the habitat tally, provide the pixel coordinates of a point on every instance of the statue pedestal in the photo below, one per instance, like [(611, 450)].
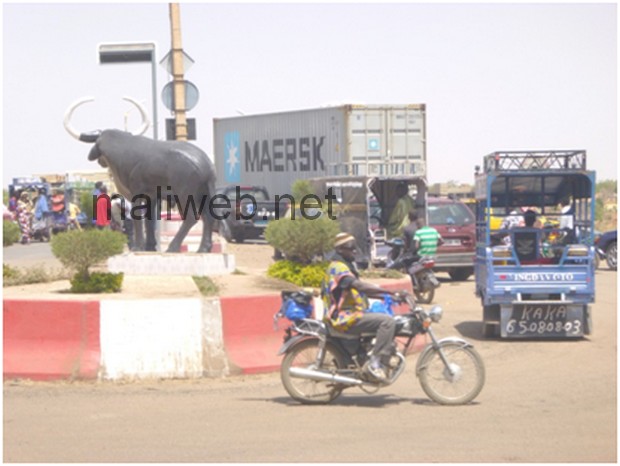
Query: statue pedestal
[(159, 263)]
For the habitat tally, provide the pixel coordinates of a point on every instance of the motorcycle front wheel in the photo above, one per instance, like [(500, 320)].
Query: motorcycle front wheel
[(458, 384), (304, 356)]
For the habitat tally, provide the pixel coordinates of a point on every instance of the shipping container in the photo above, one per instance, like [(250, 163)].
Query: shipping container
[(275, 149)]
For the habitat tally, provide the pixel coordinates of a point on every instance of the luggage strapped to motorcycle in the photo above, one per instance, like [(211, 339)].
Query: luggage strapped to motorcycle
[(296, 305)]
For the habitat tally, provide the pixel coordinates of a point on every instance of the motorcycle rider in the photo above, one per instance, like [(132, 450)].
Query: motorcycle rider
[(345, 297), (426, 239)]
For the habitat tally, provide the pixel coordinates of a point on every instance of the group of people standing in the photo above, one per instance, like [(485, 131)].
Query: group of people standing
[(28, 213)]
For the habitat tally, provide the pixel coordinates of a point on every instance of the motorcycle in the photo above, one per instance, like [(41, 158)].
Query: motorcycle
[(423, 279), (41, 229), (320, 362)]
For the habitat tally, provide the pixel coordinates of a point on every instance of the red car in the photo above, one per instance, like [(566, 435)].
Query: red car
[(456, 224)]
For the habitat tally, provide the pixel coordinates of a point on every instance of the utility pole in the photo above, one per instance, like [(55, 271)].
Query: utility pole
[(180, 118)]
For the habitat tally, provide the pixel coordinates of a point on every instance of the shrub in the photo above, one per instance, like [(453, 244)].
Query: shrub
[(86, 204), (79, 250), (206, 285), (97, 282), (310, 275), (9, 272), (302, 239), (300, 189), (10, 233)]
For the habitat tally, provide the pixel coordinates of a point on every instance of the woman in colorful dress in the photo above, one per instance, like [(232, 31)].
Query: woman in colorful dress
[(24, 217)]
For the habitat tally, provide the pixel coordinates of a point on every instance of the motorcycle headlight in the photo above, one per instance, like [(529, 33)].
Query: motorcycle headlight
[(435, 313)]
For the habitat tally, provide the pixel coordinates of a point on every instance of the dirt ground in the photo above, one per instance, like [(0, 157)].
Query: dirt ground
[(252, 261), (543, 401)]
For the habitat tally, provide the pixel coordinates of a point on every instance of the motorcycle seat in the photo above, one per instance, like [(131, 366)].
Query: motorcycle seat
[(343, 335)]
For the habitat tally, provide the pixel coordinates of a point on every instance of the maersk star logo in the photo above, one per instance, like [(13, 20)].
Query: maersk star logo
[(232, 157)]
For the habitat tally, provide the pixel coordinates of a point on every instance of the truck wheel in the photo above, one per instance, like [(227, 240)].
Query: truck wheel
[(239, 237), (587, 320), (490, 321), (461, 274), (490, 330), (612, 255)]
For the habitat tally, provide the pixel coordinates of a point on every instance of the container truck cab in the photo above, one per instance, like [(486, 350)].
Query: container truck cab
[(358, 201), (535, 280)]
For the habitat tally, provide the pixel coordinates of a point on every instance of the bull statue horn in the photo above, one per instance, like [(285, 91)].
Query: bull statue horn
[(67, 121), (92, 137), (145, 119)]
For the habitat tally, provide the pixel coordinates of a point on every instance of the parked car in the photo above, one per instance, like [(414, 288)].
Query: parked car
[(243, 221), (606, 246), (456, 224)]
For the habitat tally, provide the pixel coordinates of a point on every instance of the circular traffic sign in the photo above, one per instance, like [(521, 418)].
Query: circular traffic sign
[(191, 95)]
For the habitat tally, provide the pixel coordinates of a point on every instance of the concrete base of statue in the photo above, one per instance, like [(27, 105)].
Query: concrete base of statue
[(161, 263)]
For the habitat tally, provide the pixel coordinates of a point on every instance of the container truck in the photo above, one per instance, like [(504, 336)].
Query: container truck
[(275, 149)]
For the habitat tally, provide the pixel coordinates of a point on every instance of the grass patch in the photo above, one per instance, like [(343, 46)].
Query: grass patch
[(206, 286), (14, 276), (381, 273)]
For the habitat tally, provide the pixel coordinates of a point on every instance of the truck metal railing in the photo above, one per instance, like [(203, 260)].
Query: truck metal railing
[(535, 160), (371, 168)]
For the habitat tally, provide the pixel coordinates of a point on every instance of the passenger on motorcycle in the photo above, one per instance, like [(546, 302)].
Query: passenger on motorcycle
[(409, 232), (426, 240), (345, 298), (409, 254)]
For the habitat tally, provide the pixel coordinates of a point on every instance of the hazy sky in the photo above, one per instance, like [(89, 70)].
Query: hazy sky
[(493, 76)]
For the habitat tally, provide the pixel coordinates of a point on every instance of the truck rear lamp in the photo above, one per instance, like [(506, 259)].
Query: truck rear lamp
[(502, 251), (577, 250)]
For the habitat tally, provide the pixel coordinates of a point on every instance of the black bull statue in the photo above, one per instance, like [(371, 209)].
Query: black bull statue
[(143, 168)]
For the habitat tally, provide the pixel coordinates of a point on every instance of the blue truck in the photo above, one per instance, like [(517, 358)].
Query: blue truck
[(535, 280)]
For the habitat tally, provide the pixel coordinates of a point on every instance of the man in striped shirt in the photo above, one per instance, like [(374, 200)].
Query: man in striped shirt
[(426, 239)]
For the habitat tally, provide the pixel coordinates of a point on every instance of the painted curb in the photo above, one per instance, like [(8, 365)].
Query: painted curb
[(115, 339), (47, 340)]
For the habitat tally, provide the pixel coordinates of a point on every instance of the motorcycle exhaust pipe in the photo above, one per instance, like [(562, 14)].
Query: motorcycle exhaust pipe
[(322, 376)]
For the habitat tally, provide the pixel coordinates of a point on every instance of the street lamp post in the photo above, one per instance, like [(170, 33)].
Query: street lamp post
[(133, 53)]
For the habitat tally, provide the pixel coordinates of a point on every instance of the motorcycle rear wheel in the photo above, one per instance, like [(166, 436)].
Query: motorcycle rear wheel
[(452, 389), (311, 391), (424, 297)]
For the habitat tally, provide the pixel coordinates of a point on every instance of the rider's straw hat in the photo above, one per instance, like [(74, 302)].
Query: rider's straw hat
[(342, 239)]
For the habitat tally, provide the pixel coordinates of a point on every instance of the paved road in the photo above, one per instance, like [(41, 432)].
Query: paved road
[(544, 401), (30, 255)]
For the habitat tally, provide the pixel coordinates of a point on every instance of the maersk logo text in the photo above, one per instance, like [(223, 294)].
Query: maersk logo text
[(285, 155)]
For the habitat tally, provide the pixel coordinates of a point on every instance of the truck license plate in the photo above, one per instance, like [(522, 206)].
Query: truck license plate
[(526, 320)]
